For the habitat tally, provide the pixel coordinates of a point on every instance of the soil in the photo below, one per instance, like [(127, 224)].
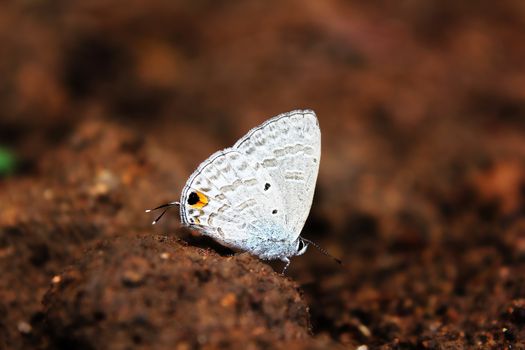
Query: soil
[(421, 192)]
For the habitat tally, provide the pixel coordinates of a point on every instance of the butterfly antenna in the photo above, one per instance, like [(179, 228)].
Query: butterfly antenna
[(165, 207), (322, 250)]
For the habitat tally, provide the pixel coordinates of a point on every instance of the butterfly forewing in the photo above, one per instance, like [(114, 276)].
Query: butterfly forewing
[(288, 147)]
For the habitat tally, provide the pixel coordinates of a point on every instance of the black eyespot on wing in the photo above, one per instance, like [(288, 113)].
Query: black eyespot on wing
[(274, 211), (266, 186), (193, 198)]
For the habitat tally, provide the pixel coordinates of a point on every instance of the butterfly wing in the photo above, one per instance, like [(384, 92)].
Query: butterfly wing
[(288, 148), (227, 199)]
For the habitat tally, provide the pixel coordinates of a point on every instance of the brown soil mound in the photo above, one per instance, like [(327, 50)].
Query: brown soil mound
[(151, 291)]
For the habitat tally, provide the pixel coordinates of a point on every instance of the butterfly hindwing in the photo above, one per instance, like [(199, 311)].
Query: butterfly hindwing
[(226, 199)]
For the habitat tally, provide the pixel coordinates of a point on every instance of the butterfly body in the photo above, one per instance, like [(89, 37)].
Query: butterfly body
[(268, 241)]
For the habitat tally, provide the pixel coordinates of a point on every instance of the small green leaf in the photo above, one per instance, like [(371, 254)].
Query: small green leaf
[(7, 161)]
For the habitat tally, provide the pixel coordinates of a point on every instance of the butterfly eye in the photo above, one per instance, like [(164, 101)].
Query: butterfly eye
[(300, 245)]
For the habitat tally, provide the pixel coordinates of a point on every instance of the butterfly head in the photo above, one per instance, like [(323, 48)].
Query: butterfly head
[(301, 246)]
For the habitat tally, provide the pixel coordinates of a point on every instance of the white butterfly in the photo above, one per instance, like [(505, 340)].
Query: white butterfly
[(256, 195)]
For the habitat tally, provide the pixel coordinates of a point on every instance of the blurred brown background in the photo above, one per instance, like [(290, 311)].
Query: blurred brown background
[(106, 107)]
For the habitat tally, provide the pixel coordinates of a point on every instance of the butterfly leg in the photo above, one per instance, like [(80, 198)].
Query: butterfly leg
[(287, 261)]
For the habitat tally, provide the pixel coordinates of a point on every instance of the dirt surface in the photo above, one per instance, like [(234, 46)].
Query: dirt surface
[(124, 293), (421, 192)]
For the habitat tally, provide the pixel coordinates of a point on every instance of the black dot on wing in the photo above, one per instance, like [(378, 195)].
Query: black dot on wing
[(274, 211), (193, 198), (266, 186)]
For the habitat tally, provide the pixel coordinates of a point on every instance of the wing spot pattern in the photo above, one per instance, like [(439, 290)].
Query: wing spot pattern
[(197, 199), (267, 163), (232, 187), (250, 182), (279, 152), (223, 208), (294, 175), (246, 204), (210, 218), (243, 166)]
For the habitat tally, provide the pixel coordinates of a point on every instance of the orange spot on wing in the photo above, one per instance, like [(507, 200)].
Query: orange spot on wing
[(203, 200)]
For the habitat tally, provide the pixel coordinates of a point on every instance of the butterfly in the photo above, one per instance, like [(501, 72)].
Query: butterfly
[(256, 195)]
